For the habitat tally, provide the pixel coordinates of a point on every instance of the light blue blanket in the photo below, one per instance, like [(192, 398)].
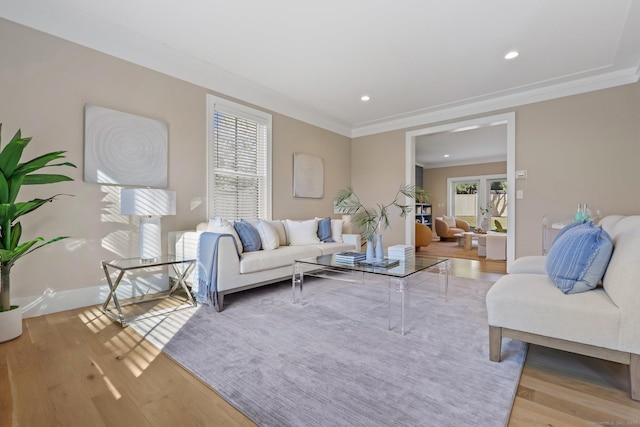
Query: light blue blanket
[(205, 284)]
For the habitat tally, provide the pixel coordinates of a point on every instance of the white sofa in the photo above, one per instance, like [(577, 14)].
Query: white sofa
[(256, 268), (603, 322)]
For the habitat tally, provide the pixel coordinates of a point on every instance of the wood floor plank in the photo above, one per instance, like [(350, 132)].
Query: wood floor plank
[(592, 402), (526, 413)]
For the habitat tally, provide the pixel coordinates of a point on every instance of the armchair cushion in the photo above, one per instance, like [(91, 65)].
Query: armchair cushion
[(578, 259), (446, 232), (424, 235)]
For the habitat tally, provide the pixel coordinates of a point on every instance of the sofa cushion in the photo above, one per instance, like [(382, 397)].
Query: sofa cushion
[(268, 235), (529, 264), (302, 232), (278, 226), (532, 303), (324, 230), (336, 230), (219, 225), (283, 256), (578, 259), (449, 220), (249, 236)]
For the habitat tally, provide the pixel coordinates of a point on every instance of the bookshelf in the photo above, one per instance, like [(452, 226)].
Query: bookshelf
[(423, 214)]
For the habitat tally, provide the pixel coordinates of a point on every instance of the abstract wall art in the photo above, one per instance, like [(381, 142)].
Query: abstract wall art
[(308, 176), (124, 149)]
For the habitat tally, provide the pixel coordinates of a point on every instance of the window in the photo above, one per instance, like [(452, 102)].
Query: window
[(239, 161), (467, 195)]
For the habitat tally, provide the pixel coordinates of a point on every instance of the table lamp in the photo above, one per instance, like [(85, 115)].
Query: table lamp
[(149, 203)]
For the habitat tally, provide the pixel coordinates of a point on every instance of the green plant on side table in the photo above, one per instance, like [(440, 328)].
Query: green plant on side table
[(375, 219), (13, 175)]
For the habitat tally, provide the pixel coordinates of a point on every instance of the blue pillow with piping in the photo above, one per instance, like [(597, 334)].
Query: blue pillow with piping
[(249, 236), (324, 230), (570, 227), (579, 258)]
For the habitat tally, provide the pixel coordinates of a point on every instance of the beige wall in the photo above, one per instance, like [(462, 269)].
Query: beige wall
[(582, 148), (45, 82), (435, 180), (377, 172)]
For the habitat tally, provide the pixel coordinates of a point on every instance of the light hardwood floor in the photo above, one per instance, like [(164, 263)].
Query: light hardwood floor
[(78, 368)]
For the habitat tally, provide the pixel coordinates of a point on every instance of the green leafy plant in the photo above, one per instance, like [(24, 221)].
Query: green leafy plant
[(13, 175), (372, 220), (486, 210)]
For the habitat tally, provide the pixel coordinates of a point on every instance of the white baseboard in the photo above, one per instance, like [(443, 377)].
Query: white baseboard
[(52, 301)]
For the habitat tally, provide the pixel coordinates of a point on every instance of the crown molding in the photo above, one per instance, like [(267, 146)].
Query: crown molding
[(437, 114)]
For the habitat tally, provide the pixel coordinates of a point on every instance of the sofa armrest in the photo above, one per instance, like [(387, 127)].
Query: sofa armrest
[(172, 240), (462, 224), (185, 244), (353, 239)]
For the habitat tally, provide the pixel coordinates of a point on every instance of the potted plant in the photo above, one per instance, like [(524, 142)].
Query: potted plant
[(371, 221), (13, 175)]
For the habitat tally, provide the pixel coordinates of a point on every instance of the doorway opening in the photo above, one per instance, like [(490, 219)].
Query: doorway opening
[(507, 119)]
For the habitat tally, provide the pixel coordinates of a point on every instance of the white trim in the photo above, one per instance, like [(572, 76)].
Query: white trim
[(246, 112), (52, 301), (443, 112), (510, 120)]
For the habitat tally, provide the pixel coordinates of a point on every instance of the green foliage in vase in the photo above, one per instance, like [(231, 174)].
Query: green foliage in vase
[(372, 220), (13, 175)]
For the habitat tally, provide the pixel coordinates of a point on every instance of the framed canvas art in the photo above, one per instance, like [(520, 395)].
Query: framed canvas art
[(308, 176), (124, 149)]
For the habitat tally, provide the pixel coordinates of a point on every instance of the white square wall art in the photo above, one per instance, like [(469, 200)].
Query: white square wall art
[(308, 176), (124, 149)]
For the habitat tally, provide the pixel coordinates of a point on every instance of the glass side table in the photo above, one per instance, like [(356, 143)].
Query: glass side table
[(112, 307)]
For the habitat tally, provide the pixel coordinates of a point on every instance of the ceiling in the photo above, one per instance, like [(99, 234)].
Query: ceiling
[(463, 146), (420, 61)]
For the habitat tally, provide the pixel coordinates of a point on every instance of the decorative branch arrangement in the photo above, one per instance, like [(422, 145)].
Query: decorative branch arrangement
[(373, 220)]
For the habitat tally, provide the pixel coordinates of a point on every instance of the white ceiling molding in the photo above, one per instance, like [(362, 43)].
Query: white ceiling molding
[(602, 81)]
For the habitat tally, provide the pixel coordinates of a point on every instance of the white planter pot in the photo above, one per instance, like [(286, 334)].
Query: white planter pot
[(10, 324)]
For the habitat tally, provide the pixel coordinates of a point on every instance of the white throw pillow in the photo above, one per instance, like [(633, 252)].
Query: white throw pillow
[(278, 226), (302, 232), (336, 230), (450, 220), (219, 225), (268, 235)]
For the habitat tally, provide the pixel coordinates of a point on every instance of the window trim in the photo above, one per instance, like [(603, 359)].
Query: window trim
[(215, 103)]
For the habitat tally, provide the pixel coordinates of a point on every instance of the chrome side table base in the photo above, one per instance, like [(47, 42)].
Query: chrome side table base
[(112, 307)]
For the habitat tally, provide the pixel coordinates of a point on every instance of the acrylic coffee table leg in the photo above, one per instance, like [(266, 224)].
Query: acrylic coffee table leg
[(444, 271), (297, 281), (399, 288)]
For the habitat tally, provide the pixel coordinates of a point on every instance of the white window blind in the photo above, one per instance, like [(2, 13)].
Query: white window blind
[(239, 161)]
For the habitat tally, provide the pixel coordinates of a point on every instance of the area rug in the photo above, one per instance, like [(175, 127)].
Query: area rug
[(334, 362)]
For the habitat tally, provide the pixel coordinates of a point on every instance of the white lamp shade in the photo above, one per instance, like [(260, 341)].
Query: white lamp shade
[(147, 201)]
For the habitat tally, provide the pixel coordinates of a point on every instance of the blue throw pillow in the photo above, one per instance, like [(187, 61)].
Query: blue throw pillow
[(249, 236), (578, 258), (571, 227), (324, 230)]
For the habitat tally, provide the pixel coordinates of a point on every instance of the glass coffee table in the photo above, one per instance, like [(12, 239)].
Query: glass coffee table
[(398, 276)]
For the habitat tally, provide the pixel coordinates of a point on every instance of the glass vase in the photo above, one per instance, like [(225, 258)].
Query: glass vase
[(370, 255), (379, 248)]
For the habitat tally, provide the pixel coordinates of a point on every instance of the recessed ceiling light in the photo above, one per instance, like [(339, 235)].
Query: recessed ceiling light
[(365, 98), (511, 54), (446, 155)]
